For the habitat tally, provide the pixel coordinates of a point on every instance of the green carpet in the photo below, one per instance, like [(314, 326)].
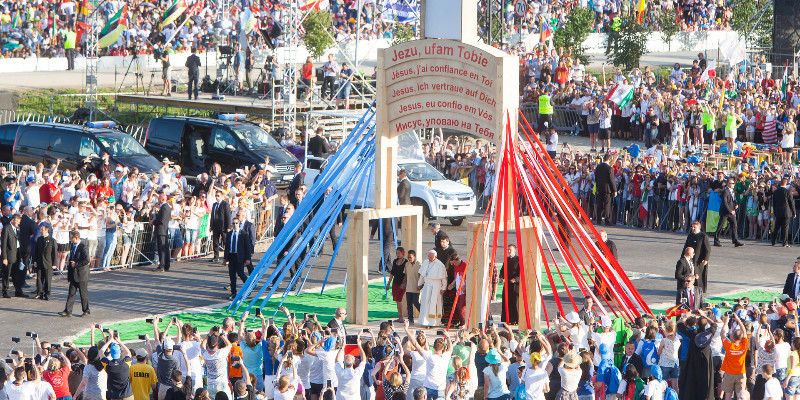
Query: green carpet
[(756, 296)]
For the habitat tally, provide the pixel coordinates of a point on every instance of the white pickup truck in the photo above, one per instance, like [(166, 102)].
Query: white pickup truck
[(438, 196)]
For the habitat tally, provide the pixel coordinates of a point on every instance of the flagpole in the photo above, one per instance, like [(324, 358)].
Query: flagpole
[(185, 21), (360, 4)]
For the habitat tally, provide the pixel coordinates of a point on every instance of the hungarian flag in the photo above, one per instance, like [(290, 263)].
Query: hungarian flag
[(114, 27), (172, 13), (547, 31), (785, 80), (709, 73), (643, 208), (677, 310), (621, 94)]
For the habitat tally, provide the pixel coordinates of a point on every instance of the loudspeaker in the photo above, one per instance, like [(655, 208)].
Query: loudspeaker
[(785, 31)]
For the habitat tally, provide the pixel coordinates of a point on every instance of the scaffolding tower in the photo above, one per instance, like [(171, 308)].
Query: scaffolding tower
[(291, 41), (90, 73)]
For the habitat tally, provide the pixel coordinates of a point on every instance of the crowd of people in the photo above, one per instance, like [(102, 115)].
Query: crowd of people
[(100, 215), (49, 29), (742, 350)]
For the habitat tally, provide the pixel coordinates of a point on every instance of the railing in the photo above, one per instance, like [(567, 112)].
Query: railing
[(565, 119)]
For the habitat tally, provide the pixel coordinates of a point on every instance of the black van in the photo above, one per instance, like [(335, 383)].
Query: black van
[(197, 143), (34, 142)]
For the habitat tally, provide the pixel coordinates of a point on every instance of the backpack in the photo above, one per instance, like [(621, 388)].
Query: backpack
[(670, 394), (649, 353), (612, 378), (520, 393)]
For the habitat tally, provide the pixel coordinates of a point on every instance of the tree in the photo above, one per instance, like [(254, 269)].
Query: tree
[(627, 44), (402, 33), (317, 38), (573, 33), (669, 27), (748, 19)]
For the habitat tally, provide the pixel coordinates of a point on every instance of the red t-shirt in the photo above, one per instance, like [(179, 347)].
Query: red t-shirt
[(44, 194), (54, 191), (58, 379)]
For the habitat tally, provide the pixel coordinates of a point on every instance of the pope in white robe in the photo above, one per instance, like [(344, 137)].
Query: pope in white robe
[(432, 281)]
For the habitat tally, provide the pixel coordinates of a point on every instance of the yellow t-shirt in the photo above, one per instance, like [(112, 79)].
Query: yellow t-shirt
[(143, 377)]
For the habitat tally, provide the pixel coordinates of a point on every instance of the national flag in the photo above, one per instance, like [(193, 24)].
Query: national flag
[(621, 94), (547, 31), (709, 73), (643, 208), (785, 79), (733, 50), (247, 20), (712, 214), (15, 22), (400, 11), (83, 9), (315, 4), (677, 310), (172, 13), (195, 8), (80, 29), (115, 26), (640, 10)]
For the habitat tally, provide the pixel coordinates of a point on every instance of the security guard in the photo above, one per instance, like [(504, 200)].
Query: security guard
[(545, 110), (69, 47)]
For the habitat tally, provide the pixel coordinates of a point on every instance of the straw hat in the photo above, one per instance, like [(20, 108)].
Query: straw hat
[(572, 360)]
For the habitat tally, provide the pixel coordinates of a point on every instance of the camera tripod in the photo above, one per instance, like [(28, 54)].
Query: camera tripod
[(139, 77)]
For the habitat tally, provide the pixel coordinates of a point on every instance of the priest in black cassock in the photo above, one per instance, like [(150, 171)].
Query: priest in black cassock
[(510, 271), (696, 378), (698, 240)]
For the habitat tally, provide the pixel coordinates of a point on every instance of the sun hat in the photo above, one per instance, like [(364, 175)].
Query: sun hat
[(493, 357), (573, 318), (572, 360)]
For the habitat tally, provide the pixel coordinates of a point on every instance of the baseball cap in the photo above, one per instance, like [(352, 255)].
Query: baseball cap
[(605, 322), (168, 344), (141, 353)]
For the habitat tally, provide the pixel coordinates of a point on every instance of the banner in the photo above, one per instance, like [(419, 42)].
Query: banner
[(402, 11)]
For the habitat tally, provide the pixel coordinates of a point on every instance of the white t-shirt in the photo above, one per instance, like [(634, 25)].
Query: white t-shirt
[(609, 338), (553, 146), (782, 351), (328, 360), (25, 391), (315, 373), (772, 389), (44, 391), (655, 390), (349, 386), (304, 369), (534, 380), (192, 350), (217, 366), (419, 366), (436, 376)]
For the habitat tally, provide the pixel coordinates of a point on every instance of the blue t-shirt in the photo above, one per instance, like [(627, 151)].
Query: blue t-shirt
[(512, 377), (253, 358)]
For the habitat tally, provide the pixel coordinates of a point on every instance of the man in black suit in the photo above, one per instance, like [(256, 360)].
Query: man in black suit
[(632, 358), (238, 251), (586, 314), (684, 268), (27, 227), (245, 226), (727, 212), (11, 255), (161, 229), (44, 263), (606, 188), (193, 68), (698, 240), (220, 223), (690, 295), (317, 145), (338, 321), (403, 188), (296, 183), (438, 235), (791, 287), (783, 207), (77, 275), (279, 215)]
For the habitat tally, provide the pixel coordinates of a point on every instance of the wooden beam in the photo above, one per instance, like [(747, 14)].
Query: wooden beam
[(357, 270), (394, 212)]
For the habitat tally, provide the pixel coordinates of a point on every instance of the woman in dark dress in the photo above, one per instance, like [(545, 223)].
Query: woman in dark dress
[(510, 271)]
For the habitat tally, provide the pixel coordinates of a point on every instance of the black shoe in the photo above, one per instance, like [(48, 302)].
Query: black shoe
[(85, 314), (215, 260), (718, 244), (65, 314), (23, 295), (46, 298), (158, 270), (231, 297), (6, 296), (738, 244)]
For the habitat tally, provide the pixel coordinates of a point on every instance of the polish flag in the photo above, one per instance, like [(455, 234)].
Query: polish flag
[(709, 73)]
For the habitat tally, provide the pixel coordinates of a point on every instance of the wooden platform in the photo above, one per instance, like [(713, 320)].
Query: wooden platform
[(232, 104)]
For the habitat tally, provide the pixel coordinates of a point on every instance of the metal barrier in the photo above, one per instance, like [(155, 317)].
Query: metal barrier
[(139, 244), (565, 119)]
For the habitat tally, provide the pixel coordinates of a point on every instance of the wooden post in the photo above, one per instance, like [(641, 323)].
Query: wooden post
[(477, 274), (531, 257), (357, 268)]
